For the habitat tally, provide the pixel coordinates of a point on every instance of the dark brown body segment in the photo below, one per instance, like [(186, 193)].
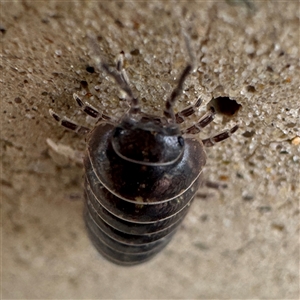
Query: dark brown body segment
[(133, 210), (141, 171)]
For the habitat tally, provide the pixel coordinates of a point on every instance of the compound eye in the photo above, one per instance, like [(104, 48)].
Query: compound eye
[(118, 131), (181, 141)]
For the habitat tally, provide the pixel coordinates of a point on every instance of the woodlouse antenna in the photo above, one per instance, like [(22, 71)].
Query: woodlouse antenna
[(169, 111), (118, 73), (189, 49), (122, 83)]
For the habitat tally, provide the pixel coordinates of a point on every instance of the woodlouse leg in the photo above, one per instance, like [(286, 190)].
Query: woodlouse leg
[(219, 137), (90, 110), (69, 124), (204, 121), (212, 185), (67, 151), (86, 107), (215, 185), (188, 111)]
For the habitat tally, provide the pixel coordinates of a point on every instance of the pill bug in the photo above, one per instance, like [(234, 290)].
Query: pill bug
[(141, 172)]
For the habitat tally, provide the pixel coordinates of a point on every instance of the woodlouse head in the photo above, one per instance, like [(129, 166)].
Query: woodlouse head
[(148, 141)]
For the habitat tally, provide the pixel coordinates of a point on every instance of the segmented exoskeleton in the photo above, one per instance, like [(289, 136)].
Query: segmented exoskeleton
[(141, 172)]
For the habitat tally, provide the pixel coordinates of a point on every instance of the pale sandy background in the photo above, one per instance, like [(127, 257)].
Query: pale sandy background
[(238, 243)]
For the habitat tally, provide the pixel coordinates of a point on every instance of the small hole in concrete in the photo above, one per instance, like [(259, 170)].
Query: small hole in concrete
[(251, 89), (84, 84), (224, 106), (18, 100), (2, 29), (90, 69), (135, 52), (249, 134)]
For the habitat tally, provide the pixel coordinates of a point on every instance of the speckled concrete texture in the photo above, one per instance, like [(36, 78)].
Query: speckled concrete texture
[(239, 242)]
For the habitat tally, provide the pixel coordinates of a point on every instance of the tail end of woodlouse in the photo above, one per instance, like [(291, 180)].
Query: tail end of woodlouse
[(126, 255)]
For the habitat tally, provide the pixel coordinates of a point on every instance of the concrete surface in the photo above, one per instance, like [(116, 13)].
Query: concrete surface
[(238, 243)]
